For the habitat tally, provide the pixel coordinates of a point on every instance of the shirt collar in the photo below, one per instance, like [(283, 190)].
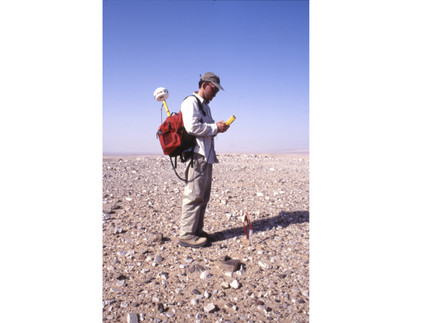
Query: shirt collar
[(200, 98)]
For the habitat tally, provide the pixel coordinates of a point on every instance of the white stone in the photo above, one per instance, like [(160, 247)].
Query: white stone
[(210, 308), (225, 285), (205, 274), (264, 265), (132, 318), (235, 284)]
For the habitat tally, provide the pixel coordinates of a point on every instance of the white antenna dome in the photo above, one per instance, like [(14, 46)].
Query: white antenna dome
[(161, 94)]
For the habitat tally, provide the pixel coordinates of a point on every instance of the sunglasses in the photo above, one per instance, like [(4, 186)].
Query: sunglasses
[(213, 88)]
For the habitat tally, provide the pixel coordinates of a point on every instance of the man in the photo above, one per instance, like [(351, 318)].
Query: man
[(200, 124)]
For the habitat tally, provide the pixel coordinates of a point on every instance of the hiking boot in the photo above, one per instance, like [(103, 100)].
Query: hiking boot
[(206, 235), (193, 242)]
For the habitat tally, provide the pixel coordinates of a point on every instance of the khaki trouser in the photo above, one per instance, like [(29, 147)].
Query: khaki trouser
[(196, 196)]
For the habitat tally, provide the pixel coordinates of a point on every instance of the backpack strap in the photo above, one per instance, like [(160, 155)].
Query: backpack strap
[(184, 159), (174, 169), (199, 103), (186, 171)]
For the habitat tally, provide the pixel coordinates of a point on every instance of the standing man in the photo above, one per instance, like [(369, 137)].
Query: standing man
[(199, 123)]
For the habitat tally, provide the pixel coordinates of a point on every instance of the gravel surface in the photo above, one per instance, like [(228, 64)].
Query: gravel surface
[(148, 277)]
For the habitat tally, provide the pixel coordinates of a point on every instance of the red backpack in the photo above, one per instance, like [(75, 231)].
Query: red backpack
[(174, 139)]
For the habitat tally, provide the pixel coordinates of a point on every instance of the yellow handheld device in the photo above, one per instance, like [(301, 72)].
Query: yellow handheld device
[(230, 120)]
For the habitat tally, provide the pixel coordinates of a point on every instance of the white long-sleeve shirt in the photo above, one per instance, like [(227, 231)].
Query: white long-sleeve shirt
[(202, 127)]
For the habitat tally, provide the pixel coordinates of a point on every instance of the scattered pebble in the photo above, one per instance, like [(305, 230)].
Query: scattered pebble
[(235, 284), (210, 308), (205, 274), (148, 277), (132, 318), (225, 285)]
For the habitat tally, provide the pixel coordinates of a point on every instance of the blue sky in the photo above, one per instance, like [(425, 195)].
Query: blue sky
[(260, 50)]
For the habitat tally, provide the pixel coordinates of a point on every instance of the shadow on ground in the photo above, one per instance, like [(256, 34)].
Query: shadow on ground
[(283, 219)]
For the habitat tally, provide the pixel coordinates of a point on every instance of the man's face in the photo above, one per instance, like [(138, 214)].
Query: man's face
[(210, 91)]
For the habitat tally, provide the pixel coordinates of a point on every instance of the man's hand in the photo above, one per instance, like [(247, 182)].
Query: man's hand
[(222, 127)]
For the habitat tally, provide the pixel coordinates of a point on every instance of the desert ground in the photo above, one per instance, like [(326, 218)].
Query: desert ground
[(148, 277)]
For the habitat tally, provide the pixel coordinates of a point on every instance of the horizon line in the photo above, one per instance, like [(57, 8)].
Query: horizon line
[(273, 152)]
